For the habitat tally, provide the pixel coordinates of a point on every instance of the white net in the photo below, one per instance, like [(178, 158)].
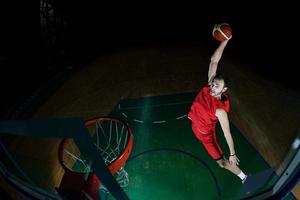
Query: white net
[(110, 137)]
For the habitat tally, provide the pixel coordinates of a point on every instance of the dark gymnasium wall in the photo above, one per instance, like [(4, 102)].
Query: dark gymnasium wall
[(264, 38)]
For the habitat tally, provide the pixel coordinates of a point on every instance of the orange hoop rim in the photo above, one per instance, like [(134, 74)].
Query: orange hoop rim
[(118, 162)]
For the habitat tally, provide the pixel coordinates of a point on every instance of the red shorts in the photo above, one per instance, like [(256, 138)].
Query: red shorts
[(209, 141)]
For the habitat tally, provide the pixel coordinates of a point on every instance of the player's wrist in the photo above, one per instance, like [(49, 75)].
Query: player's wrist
[(232, 154)]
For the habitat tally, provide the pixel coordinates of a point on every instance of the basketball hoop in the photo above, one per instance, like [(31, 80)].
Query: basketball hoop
[(112, 137)]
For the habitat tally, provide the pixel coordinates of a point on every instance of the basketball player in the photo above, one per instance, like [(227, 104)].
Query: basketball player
[(210, 106)]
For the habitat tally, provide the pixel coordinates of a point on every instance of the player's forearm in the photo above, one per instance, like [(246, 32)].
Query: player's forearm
[(214, 60), (230, 143), (223, 118), (218, 52)]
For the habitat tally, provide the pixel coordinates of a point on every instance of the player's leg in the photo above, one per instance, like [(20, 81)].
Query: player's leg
[(224, 163), (211, 145), (216, 153)]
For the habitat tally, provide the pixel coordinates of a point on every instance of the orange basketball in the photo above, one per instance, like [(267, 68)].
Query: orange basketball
[(222, 32)]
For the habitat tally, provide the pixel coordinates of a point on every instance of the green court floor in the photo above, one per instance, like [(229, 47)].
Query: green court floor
[(168, 162)]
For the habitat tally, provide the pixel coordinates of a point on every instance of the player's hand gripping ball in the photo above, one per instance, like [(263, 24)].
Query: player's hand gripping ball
[(222, 32)]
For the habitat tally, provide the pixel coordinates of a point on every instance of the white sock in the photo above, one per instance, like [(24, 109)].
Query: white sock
[(242, 175)]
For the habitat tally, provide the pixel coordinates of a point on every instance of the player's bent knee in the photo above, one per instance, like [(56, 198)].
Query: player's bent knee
[(221, 163)]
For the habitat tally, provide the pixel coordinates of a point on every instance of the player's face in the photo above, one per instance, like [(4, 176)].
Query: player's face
[(217, 87)]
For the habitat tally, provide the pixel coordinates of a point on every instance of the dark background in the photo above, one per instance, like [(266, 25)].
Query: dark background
[(264, 38)]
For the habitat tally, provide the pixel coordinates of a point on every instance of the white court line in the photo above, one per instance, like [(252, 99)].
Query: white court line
[(181, 117), (139, 121), (157, 105), (159, 122)]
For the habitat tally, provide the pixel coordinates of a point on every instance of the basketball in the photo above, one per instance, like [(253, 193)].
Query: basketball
[(222, 32)]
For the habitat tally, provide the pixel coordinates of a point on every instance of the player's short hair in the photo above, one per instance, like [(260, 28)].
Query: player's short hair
[(220, 76)]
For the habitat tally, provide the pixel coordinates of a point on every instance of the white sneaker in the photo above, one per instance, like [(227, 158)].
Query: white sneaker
[(244, 180)]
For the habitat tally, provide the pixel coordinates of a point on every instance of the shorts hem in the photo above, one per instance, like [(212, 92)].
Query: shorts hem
[(219, 158)]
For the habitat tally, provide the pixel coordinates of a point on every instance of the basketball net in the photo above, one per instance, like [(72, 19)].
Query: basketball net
[(114, 140)]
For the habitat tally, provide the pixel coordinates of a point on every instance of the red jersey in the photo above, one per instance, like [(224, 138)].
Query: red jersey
[(203, 110)]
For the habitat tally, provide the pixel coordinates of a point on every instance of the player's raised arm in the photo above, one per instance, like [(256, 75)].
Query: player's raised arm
[(214, 60)]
